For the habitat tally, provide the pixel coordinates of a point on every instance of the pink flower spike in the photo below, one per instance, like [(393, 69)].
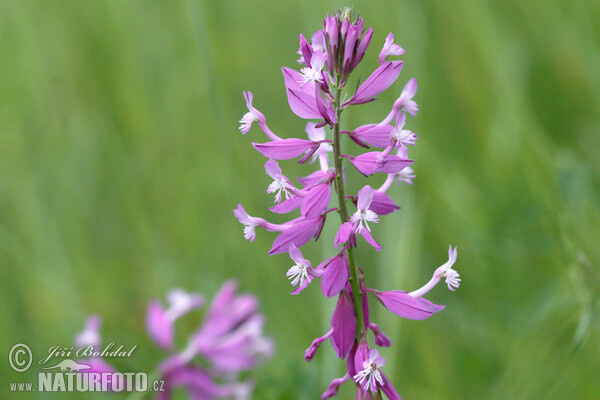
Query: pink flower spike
[(369, 377), (390, 49), (343, 322), (406, 306), (299, 274), (285, 149), (381, 79), (314, 346), (335, 275)]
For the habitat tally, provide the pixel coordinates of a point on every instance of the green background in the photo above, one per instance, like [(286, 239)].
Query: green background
[(121, 163)]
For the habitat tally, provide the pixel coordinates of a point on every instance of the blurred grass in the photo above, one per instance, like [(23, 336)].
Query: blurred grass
[(121, 162)]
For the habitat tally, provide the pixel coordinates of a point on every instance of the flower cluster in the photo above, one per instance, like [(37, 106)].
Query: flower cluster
[(315, 93), (228, 342)]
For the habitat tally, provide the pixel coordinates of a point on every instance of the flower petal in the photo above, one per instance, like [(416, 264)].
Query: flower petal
[(316, 200), (381, 79), (343, 322), (335, 276), (301, 98), (284, 149), (298, 234), (400, 303)]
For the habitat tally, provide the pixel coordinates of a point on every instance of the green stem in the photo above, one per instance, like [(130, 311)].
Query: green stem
[(343, 211)]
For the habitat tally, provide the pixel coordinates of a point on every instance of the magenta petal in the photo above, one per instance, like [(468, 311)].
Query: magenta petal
[(316, 200), (381, 79), (388, 389), (298, 234), (288, 205), (367, 235), (367, 163), (375, 135), (382, 204), (314, 178), (365, 197), (343, 234), (335, 276), (400, 303), (343, 322), (158, 325), (284, 149), (301, 98), (393, 164)]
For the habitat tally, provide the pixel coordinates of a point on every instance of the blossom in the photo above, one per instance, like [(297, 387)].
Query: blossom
[(253, 115), (315, 92), (390, 49), (446, 272), (369, 376), (301, 273), (160, 322), (281, 183), (363, 215)]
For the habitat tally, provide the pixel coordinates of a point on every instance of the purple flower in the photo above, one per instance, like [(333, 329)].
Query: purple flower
[(316, 93), (253, 115), (302, 273), (363, 215), (281, 183), (368, 363), (390, 49), (446, 272), (250, 223), (160, 323)]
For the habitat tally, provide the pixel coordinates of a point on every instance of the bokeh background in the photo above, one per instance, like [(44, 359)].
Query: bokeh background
[(121, 163)]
